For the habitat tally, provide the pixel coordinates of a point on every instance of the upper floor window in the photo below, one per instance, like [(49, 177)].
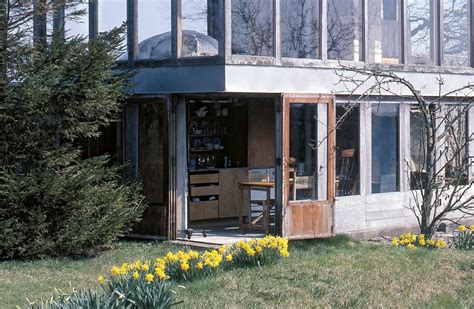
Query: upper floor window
[(111, 14), (300, 28), (420, 32), (200, 22), (456, 43), (384, 31), (344, 24), (154, 29), (77, 18), (252, 27)]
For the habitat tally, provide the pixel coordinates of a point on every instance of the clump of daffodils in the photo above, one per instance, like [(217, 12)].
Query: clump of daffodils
[(413, 241), (184, 266), (464, 238)]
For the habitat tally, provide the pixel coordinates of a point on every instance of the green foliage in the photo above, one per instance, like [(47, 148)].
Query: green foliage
[(53, 94), (118, 294), (65, 211), (464, 238)]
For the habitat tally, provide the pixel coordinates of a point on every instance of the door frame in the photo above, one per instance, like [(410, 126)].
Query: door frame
[(308, 208)]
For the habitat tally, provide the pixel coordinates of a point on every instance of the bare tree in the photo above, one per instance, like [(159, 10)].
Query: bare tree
[(252, 27), (441, 188)]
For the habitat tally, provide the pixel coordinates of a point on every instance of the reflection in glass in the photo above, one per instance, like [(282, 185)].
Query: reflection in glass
[(457, 143), (418, 148), (385, 28), (112, 13), (200, 28), (347, 150), (300, 28), (77, 18), (385, 148), (154, 29), (252, 27), (456, 32), (344, 29), (303, 152), (420, 19)]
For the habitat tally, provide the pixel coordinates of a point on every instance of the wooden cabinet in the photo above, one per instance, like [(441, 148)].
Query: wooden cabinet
[(230, 197), (204, 195), (223, 186)]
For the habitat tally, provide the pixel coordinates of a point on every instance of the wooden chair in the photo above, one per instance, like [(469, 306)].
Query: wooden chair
[(347, 175)]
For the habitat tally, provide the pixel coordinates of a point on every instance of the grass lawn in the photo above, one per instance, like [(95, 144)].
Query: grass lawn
[(334, 272)]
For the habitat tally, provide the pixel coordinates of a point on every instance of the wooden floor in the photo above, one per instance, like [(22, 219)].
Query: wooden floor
[(218, 233)]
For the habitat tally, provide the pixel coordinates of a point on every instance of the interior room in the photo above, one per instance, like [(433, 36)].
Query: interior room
[(231, 168)]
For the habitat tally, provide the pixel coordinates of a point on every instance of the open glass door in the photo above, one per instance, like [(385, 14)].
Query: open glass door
[(308, 166)]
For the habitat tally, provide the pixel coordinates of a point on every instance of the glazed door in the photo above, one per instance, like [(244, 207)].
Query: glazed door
[(308, 166)]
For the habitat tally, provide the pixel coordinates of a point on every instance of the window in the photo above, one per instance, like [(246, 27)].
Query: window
[(200, 21), (385, 148), (456, 32), (154, 29), (347, 150), (304, 168), (384, 31), (345, 29), (112, 13), (77, 18), (456, 144), (418, 148), (300, 28), (420, 35), (252, 27)]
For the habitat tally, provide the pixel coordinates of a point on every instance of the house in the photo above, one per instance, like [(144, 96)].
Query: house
[(235, 102)]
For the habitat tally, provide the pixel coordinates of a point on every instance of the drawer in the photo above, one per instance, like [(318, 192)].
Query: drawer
[(203, 178), (203, 210), (206, 190)]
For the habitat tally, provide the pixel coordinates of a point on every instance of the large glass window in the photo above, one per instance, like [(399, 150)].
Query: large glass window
[(420, 32), (300, 28), (385, 29), (200, 28), (385, 148), (111, 14), (154, 29), (252, 27), (456, 43), (344, 29), (418, 144), (304, 167), (77, 18), (347, 150), (456, 144)]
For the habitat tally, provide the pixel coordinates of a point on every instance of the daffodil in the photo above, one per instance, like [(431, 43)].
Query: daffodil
[(115, 271), (411, 246), (149, 277), (136, 275), (199, 265), (145, 267), (472, 227), (228, 257), (462, 228), (100, 278), (184, 266)]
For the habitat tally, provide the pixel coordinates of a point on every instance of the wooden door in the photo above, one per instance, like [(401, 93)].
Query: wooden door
[(308, 166)]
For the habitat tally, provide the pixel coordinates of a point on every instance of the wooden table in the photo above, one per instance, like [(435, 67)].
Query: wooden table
[(265, 186)]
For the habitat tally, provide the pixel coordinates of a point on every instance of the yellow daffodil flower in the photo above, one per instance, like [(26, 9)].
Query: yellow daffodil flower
[(461, 228), (149, 277), (100, 279), (136, 275)]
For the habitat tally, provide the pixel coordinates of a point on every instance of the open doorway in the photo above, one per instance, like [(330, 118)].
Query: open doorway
[(231, 168)]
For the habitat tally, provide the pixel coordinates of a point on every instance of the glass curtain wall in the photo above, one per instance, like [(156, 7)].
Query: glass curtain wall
[(385, 31), (200, 22), (347, 150), (300, 29), (385, 148), (344, 23), (420, 31), (154, 29), (456, 33), (252, 27)]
